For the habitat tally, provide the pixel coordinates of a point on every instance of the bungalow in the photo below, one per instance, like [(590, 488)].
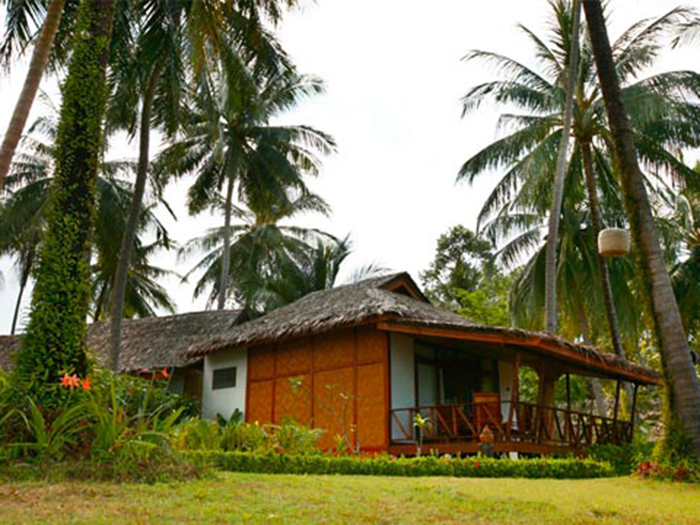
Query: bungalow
[(152, 343), (363, 360)]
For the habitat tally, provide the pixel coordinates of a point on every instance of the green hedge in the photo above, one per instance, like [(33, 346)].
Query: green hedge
[(273, 463)]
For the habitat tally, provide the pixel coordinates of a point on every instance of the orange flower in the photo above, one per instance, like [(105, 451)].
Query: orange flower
[(165, 373), (70, 381), (86, 384)]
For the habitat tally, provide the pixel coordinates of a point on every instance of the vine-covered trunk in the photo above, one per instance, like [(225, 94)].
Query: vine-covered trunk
[(37, 66), (226, 256), (132, 223), (603, 271), (679, 372), (55, 340), (550, 294)]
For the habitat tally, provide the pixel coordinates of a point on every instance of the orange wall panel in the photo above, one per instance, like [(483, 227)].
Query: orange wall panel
[(371, 406), (334, 349), (293, 404), (261, 363), (371, 344), (294, 357), (260, 402), (334, 401)]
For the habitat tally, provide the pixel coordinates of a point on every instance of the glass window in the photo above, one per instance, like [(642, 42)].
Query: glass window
[(224, 378)]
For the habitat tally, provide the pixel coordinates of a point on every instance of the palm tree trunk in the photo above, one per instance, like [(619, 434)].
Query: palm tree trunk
[(24, 279), (596, 387), (37, 66), (684, 394), (559, 178), (226, 256), (132, 223), (597, 222)]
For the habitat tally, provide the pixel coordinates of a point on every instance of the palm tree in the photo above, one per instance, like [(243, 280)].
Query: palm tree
[(310, 271), (258, 250), (685, 273), (156, 75), (560, 174), (144, 294), (230, 142), (27, 206), (528, 151), (675, 354), (18, 33)]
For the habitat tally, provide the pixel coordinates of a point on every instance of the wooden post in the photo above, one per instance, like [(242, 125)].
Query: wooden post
[(633, 414), (615, 412), (539, 414), (568, 405), (514, 393)]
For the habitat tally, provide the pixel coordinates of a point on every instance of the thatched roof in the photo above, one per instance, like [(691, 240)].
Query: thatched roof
[(373, 301), (149, 343)]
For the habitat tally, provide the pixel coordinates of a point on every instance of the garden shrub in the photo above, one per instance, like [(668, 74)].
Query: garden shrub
[(685, 470), (623, 458), (114, 426), (236, 435), (381, 465)]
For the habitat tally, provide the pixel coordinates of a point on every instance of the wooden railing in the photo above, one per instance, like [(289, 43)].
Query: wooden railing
[(529, 423)]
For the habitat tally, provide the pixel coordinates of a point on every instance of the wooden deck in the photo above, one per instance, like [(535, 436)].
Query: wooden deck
[(527, 428)]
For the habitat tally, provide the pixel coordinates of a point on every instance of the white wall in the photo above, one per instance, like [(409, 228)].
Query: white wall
[(505, 375), (403, 391), (224, 401)]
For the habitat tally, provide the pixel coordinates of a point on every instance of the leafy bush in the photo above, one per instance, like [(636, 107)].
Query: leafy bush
[(623, 458), (273, 463), (143, 396), (236, 435), (118, 428), (688, 471)]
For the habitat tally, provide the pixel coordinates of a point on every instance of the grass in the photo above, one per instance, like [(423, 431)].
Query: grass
[(291, 498)]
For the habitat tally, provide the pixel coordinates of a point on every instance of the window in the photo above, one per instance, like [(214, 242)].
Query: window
[(224, 378)]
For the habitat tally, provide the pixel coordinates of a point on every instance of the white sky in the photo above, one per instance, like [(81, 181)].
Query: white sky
[(394, 79)]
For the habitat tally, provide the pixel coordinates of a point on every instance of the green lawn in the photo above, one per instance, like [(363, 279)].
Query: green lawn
[(289, 498)]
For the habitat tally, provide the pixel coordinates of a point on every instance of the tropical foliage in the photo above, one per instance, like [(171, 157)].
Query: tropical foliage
[(663, 117), (24, 216)]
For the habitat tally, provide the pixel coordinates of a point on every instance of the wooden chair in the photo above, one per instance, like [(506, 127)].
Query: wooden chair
[(487, 411)]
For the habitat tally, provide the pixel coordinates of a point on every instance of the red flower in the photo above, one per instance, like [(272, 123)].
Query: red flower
[(86, 384), (476, 463), (165, 373)]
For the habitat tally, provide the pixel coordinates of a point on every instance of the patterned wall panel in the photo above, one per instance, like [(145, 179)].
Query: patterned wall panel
[(261, 363), (371, 406), (334, 349), (294, 357), (334, 400), (260, 402), (371, 344), (293, 404)]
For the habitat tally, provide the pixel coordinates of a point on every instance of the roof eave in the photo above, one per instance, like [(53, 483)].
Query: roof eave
[(534, 341)]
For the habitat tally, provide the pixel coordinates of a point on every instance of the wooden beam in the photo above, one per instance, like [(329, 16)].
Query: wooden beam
[(568, 391), (615, 430), (534, 342)]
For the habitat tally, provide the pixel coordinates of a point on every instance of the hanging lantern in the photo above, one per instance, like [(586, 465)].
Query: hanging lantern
[(613, 242)]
